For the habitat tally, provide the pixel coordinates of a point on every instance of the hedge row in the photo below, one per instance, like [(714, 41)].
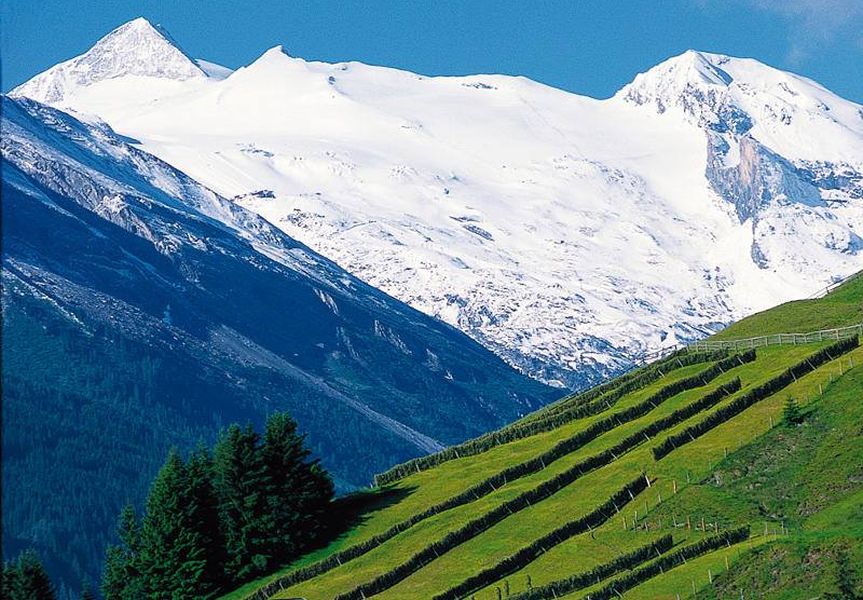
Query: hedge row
[(552, 421), (477, 526), (588, 394), (531, 466), (551, 486), (738, 405), (546, 423), (527, 554), (616, 588), (635, 379), (582, 580), (576, 441), (587, 435), (681, 414)]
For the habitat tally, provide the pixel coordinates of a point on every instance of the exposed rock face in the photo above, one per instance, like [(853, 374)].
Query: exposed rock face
[(759, 177)]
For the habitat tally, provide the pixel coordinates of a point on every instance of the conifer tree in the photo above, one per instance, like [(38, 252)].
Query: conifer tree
[(122, 578), (162, 526), (173, 554), (26, 579), (299, 489), (241, 483), (10, 578), (791, 413), (203, 516), (220, 517)]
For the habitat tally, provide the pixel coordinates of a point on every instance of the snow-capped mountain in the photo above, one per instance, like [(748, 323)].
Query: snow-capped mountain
[(190, 265), (567, 234), (136, 48), (142, 310)]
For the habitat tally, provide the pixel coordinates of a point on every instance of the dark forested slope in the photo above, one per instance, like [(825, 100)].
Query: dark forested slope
[(142, 310)]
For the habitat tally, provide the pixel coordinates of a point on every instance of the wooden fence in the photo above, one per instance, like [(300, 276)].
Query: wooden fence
[(765, 340), (826, 290), (810, 337)]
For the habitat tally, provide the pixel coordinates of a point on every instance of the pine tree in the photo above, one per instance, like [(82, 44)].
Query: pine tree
[(162, 526), (114, 582), (173, 556), (221, 517), (87, 592), (203, 517), (10, 579), (26, 579), (299, 490), (791, 413), (845, 573), (240, 481), (122, 578)]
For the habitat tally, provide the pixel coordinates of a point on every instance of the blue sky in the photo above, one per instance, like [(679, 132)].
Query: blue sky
[(585, 46)]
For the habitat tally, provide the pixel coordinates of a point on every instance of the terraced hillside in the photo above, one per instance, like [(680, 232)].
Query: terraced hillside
[(686, 477)]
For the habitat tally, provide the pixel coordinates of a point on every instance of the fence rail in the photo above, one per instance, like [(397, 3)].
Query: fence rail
[(810, 337), (826, 290), (765, 340)]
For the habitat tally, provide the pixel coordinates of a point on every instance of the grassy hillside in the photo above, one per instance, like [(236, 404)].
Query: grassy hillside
[(841, 307), (679, 479)]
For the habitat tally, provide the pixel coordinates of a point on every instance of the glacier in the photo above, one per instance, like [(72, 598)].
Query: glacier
[(568, 234)]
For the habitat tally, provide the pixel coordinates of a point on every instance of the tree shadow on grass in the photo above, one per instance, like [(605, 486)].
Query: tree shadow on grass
[(358, 507), (352, 510)]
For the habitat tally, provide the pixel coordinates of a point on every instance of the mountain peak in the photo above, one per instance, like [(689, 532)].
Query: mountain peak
[(275, 56), (695, 65), (135, 48), (276, 51), (678, 77), (140, 24)]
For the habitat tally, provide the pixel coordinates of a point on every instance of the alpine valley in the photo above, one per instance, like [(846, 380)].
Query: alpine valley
[(401, 262)]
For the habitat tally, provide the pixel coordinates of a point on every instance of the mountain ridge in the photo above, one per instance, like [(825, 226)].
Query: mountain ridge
[(483, 200), (141, 310)]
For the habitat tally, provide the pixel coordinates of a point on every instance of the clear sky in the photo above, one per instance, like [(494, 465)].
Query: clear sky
[(591, 47)]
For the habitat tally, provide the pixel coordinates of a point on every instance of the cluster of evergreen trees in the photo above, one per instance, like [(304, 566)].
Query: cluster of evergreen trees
[(588, 403), (221, 517), (26, 579), (741, 403)]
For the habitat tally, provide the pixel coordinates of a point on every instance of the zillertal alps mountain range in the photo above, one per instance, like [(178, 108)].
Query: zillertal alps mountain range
[(523, 215), (400, 262), (564, 233)]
